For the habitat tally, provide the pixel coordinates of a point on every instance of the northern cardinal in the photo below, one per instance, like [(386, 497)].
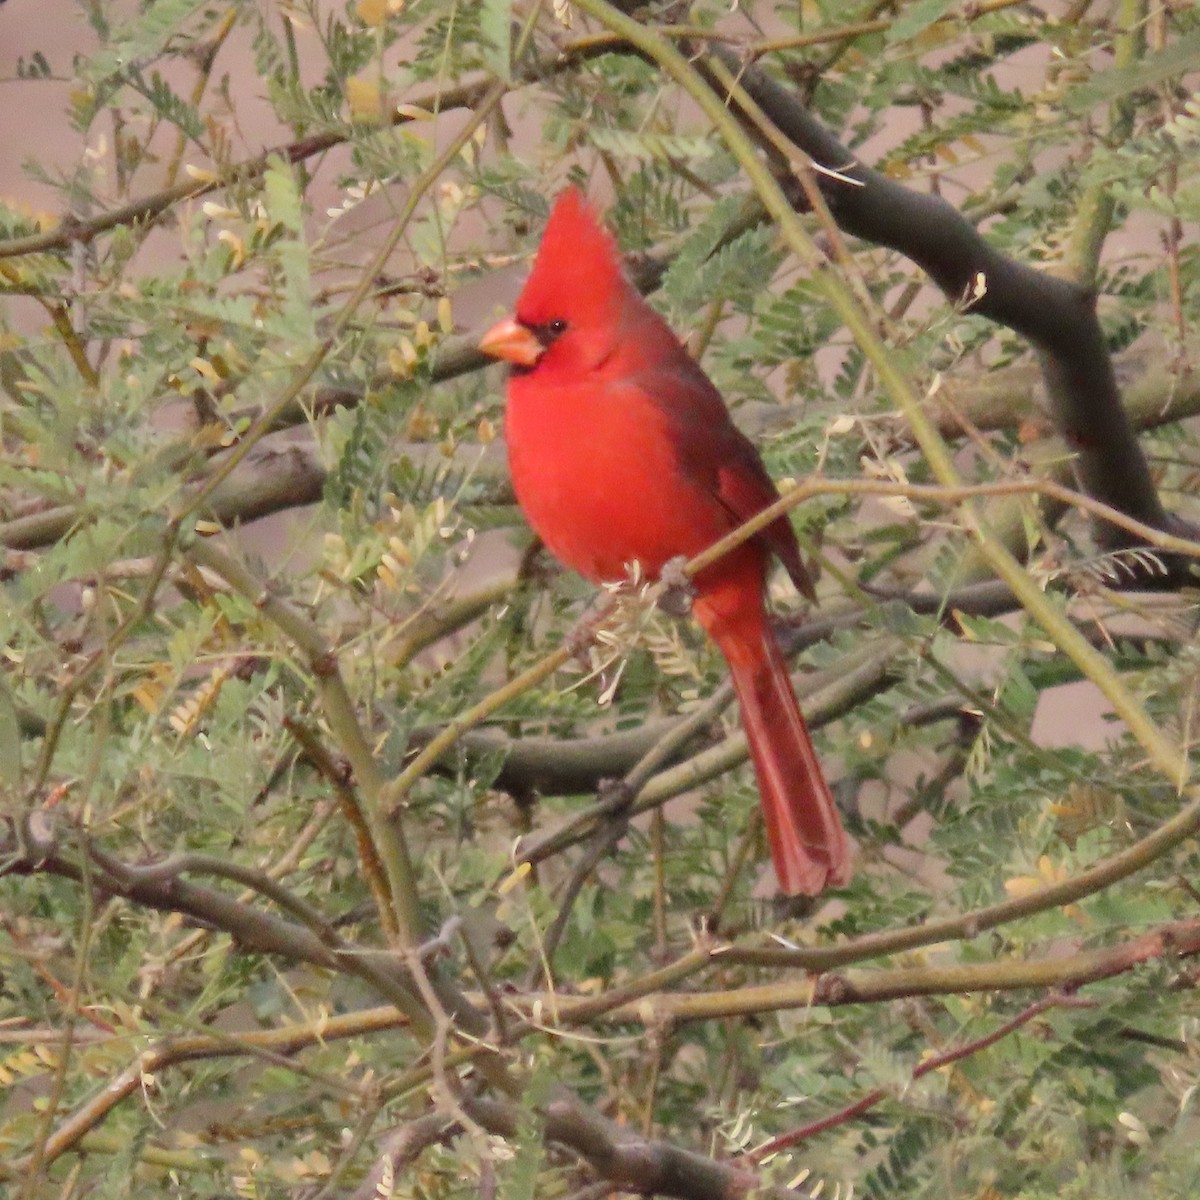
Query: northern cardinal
[(621, 451)]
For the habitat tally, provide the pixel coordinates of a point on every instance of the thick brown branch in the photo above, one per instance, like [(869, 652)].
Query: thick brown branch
[(403, 1147), (623, 1158), (1055, 314), (548, 766), (275, 478), (826, 697), (650, 1166)]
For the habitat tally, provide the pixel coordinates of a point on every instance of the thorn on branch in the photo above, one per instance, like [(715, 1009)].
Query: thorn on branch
[(833, 990), (439, 945), (324, 665)]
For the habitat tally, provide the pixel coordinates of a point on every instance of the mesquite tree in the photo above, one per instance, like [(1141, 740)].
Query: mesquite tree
[(348, 847)]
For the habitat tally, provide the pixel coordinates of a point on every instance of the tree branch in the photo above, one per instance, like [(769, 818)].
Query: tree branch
[(828, 695), (642, 1003), (386, 833), (145, 210), (1105, 873), (934, 1063), (1055, 314), (623, 1157)]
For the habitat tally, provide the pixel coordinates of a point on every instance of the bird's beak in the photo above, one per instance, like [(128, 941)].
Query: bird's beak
[(513, 342)]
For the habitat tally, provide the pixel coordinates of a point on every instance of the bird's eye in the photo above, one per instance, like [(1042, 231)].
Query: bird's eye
[(547, 331)]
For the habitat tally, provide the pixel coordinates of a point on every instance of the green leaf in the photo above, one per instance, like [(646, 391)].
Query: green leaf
[(283, 204), (10, 740), (1155, 68), (917, 17), (136, 41), (649, 146), (520, 1177), (495, 24)]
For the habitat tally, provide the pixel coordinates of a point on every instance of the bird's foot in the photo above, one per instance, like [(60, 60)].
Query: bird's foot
[(678, 591)]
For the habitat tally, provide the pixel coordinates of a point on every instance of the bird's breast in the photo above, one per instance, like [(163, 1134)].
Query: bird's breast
[(599, 478)]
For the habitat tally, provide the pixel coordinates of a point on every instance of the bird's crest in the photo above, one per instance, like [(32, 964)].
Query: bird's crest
[(577, 272)]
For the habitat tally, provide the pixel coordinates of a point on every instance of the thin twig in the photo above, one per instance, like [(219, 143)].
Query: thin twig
[(795, 1137), (351, 809)]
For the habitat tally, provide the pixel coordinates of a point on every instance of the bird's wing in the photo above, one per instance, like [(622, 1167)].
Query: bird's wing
[(721, 459)]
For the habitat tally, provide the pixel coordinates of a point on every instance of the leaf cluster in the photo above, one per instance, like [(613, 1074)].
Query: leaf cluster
[(244, 699)]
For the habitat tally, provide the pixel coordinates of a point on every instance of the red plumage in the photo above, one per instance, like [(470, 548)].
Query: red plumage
[(622, 451)]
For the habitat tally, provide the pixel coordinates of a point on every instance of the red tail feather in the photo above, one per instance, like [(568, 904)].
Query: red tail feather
[(808, 844)]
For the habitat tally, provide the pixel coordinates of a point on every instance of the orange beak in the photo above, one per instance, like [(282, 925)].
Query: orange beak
[(513, 342)]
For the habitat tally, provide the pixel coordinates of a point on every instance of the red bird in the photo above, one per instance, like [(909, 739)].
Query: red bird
[(622, 451)]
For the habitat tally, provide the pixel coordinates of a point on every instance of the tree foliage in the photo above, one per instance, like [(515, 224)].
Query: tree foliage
[(358, 850)]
